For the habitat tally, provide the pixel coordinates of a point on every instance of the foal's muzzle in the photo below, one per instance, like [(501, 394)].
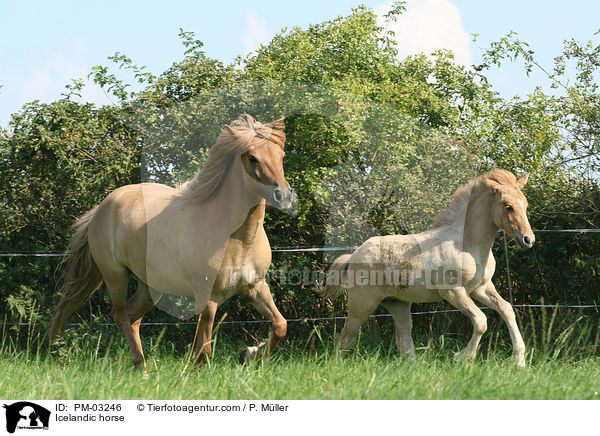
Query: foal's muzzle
[(524, 241)]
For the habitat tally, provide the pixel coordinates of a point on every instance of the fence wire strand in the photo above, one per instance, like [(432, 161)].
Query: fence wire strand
[(325, 249), (279, 249), (331, 318)]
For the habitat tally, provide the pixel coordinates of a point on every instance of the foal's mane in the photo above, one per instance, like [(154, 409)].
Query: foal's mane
[(240, 136), (463, 194)]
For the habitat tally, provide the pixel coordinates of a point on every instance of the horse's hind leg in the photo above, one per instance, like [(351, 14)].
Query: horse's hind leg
[(262, 300), (116, 282), (137, 306), (361, 304), (400, 311)]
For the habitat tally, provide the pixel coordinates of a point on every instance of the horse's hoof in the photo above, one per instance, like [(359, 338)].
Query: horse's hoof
[(245, 356), (139, 366), (249, 354)]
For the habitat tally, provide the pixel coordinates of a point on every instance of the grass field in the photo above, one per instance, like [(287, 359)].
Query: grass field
[(373, 376), (567, 367)]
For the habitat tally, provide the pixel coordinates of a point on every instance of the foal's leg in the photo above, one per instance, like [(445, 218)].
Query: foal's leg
[(460, 299), (400, 311), (116, 282), (137, 306), (262, 300), (204, 337), (361, 304), (488, 295)]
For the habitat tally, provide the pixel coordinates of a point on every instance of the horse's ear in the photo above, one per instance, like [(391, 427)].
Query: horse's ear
[(492, 184), (523, 180), (227, 129), (278, 124), (278, 132)]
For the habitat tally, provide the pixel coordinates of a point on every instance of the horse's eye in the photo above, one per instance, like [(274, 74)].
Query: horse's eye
[(252, 159), (509, 208)]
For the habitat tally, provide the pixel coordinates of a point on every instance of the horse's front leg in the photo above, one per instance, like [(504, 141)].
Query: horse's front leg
[(488, 296), (262, 300), (203, 344), (460, 299)]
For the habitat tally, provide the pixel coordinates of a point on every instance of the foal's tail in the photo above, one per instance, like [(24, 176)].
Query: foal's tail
[(336, 277), (83, 276)]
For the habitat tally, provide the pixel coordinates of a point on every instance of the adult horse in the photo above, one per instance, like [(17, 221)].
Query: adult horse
[(452, 262), (205, 239)]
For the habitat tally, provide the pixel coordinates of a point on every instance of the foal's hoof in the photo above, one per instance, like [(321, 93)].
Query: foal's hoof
[(461, 356), (410, 357)]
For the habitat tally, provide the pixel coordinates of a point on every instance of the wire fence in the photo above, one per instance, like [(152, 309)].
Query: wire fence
[(330, 249), (56, 253), (331, 318)]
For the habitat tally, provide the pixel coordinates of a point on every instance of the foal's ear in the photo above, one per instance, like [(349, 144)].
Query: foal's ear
[(492, 184), (523, 181)]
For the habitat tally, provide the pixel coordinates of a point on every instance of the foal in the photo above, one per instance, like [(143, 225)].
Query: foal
[(452, 262)]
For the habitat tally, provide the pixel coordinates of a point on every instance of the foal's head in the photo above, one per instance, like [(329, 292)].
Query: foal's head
[(509, 207)]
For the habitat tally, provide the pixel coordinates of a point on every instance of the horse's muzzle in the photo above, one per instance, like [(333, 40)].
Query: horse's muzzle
[(281, 198)]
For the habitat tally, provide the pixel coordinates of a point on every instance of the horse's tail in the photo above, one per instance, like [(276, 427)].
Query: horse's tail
[(83, 276), (336, 277)]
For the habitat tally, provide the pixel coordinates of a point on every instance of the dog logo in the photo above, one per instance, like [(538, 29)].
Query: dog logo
[(26, 415)]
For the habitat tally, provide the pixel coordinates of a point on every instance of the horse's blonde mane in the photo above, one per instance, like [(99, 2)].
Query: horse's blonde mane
[(240, 136), (463, 194)]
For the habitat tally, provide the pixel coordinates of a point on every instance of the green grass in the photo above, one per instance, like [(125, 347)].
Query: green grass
[(100, 368)]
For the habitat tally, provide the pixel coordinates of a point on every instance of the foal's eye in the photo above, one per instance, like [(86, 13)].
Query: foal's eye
[(508, 208), (252, 159)]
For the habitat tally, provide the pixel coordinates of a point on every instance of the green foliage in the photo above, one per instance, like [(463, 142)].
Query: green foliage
[(57, 161), (573, 108), (60, 158)]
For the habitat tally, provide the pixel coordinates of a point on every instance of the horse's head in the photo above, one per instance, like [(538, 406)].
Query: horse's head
[(509, 210), (263, 163)]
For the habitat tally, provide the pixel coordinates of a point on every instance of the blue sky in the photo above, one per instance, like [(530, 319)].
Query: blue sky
[(45, 44)]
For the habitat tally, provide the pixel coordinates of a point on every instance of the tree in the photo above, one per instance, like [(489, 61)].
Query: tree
[(573, 108)]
